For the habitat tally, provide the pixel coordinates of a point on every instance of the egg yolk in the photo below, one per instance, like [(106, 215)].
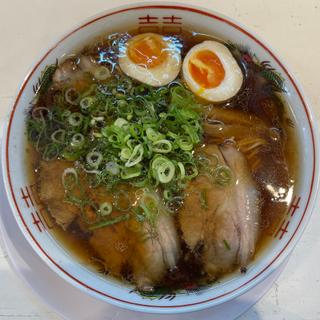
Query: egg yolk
[(149, 51), (206, 69)]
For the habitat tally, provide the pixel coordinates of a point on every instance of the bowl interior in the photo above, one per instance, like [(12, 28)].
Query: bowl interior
[(156, 18)]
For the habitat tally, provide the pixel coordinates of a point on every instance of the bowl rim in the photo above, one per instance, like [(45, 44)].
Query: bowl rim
[(245, 286)]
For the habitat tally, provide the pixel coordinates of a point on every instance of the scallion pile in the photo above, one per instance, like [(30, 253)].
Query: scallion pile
[(122, 131)]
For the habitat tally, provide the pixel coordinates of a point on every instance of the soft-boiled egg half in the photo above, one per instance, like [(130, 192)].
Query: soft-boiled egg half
[(151, 58), (211, 71)]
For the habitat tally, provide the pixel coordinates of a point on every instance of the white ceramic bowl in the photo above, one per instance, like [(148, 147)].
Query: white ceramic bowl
[(153, 17)]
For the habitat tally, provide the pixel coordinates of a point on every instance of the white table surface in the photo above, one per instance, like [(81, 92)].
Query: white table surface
[(290, 26)]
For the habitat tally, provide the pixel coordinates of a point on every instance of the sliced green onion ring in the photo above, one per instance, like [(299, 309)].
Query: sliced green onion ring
[(182, 170), (167, 194), (222, 175), (141, 182), (70, 154), (131, 143), (191, 170), (125, 153), (205, 160), (94, 159), (105, 209), (66, 114), (95, 121), (162, 146), (136, 156), (131, 172), (120, 122), (86, 103), (58, 136), (69, 178), (72, 96), (51, 152), (158, 160), (185, 143), (75, 119), (136, 130), (101, 73), (153, 135), (172, 135), (192, 133), (165, 171), (40, 113), (112, 168), (149, 203), (77, 140)]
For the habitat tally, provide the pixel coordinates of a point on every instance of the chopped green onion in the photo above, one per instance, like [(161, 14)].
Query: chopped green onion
[(149, 203), (222, 175), (167, 194), (172, 135), (142, 181), (207, 161), (153, 135), (75, 119), (122, 104), (59, 136), (94, 159), (125, 153), (136, 156), (190, 170), (226, 244), (214, 159), (77, 140), (101, 73), (66, 114), (112, 168), (105, 209), (117, 136), (165, 172), (163, 169), (130, 172), (136, 130), (182, 170), (157, 161), (120, 131), (39, 113), (72, 96), (70, 154), (185, 143), (192, 132), (97, 134), (69, 178), (86, 103), (109, 222), (97, 121), (120, 122), (50, 152), (162, 146), (203, 199)]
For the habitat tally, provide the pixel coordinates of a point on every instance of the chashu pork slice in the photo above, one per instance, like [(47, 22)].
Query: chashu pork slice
[(140, 250), (225, 230), (52, 193)]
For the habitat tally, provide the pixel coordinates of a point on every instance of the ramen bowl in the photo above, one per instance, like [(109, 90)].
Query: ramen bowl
[(153, 17)]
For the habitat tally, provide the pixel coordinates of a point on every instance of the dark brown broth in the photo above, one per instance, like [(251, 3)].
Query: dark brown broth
[(75, 241)]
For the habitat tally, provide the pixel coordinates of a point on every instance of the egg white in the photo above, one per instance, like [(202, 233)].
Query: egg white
[(157, 76), (232, 81)]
